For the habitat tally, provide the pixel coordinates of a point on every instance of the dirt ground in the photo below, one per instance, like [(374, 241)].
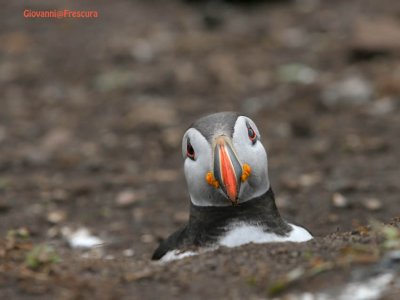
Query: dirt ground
[(91, 117)]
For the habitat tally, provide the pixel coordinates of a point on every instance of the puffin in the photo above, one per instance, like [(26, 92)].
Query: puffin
[(231, 199)]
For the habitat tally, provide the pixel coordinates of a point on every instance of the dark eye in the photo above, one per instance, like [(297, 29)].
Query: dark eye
[(189, 150), (252, 134)]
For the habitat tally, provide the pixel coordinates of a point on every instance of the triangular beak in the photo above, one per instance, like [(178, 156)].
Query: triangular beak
[(227, 168)]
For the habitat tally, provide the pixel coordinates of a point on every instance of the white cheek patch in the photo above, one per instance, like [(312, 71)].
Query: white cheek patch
[(255, 156), (196, 170)]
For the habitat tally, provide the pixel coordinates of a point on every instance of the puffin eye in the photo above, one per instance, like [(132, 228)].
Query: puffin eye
[(252, 134), (189, 150)]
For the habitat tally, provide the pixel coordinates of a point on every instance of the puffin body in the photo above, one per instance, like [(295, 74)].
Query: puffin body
[(232, 203)]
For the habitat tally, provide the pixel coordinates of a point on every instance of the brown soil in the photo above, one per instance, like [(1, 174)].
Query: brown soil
[(94, 108)]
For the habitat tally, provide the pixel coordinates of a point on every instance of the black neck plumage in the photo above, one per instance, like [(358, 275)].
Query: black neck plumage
[(208, 223)]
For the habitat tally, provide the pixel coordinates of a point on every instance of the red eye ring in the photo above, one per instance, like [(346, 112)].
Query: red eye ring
[(190, 151), (252, 134)]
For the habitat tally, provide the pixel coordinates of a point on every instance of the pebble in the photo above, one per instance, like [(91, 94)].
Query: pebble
[(294, 37), (372, 204), (333, 218), (147, 238), (297, 73), (152, 112), (382, 107), (93, 253), (181, 216), (128, 252), (16, 42), (114, 80), (350, 90), (126, 198), (340, 201), (55, 217), (143, 51), (56, 139), (81, 238), (380, 35), (307, 180)]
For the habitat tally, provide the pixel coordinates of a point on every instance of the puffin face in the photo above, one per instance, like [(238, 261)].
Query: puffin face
[(225, 162)]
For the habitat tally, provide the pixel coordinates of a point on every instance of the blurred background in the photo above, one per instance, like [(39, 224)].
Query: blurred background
[(92, 111)]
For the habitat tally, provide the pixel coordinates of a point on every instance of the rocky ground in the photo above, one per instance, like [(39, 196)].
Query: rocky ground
[(92, 114)]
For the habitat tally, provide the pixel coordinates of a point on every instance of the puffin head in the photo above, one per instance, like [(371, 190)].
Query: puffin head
[(225, 161)]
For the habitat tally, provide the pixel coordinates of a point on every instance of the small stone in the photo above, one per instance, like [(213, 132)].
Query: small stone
[(181, 216), (382, 107), (128, 252), (152, 112), (340, 201), (143, 51), (290, 183), (372, 204), (36, 156), (351, 90), (56, 216), (333, 218), (112, 80), (297, 73), (293, 37), (147, 238), (56, 139), (377, 36), (93, 253), (15, 42), (307, 180), (126, 198), (53, 232), (36, 209)]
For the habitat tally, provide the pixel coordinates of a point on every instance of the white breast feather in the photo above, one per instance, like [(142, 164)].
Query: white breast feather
[(244, 234)]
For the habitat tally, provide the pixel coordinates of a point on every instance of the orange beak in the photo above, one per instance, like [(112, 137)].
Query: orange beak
[(227, 168)]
